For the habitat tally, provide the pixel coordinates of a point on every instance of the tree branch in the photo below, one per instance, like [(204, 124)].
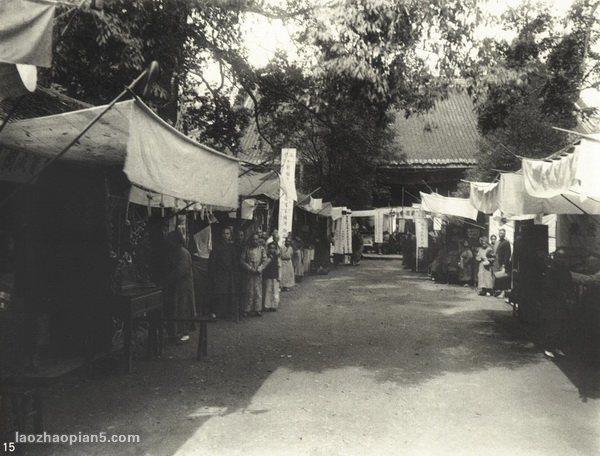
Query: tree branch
[(252, 6)]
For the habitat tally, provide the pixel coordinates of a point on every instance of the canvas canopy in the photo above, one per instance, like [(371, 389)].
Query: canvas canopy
[(162, 159), (511, 198), (484, 196), (366, 213), (438, 204), (576, 171), (105, 143), (26, 37), (267, 184), (325, 209), (157, 157), (26, 32), (254, 184)]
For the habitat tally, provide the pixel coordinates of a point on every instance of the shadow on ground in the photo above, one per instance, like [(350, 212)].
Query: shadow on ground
[(396, 326)]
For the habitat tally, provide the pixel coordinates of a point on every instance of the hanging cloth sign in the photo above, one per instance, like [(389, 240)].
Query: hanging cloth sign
[(287, 193)]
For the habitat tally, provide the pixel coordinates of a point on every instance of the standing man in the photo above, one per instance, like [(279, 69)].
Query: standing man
[(503, 251), (556, 288), (253, 260), (502, 263), (178, 287), (222, 266), (357, 245)]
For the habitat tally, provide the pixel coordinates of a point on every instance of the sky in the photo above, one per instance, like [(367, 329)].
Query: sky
[(264, 36)]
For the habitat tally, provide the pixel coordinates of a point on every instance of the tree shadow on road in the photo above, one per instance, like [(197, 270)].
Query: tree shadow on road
[(406, 335)]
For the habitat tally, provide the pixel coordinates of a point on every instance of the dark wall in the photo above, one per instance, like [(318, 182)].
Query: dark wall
[(406, 183), (64, 247)]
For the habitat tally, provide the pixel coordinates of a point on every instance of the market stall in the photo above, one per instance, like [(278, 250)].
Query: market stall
[(90, 214)]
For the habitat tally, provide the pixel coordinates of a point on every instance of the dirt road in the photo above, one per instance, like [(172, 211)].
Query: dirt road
[(367, 360)]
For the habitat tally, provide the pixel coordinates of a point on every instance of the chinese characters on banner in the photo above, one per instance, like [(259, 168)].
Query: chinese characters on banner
[(287, 192), (421, 232)]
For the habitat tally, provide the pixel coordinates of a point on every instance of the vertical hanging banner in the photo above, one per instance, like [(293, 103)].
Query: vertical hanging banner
[(421, 231), (287, 191), (378, 228), (421, 234)]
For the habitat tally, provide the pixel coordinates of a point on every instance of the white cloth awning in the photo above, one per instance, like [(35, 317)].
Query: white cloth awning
[(515, 201), (26, 32), (254, 184), (509, 196), (105, 143), (367, 213), (25, 43), (166, 161), (438, 204), (577, 171), (157, 157), (484, 196)]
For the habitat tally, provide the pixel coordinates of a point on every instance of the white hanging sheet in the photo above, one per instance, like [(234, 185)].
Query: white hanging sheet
[(438, 204), (484, 196), (164, 160), (576, 171)]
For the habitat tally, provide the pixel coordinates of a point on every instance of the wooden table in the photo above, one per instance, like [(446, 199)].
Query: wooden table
[(139, 303)]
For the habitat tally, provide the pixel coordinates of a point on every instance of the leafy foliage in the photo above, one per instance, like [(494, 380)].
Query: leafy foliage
[(361, 60), (97, 53), (526, 87)]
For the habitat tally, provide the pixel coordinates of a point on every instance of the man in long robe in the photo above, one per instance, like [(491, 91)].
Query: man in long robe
[(557, 287), (178, 286), (253, 260), (222, 266)]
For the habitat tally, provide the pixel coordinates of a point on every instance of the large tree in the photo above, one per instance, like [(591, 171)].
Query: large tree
[(98, 52), (358, 60), (526, 87)]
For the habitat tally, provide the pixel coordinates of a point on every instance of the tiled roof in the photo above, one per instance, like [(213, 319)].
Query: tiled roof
[(42, 102), (254, 149), (444, 136)]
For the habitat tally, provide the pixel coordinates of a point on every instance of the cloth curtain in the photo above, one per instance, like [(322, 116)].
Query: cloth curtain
[(515, 201), (248, 206), (316, 204), (162, 159), (26, 32), (253, 184), (576, 172), (336, 213), (548, 178), (588, 183), (343, 235), (484, 196), (203, 240), (438, 204)]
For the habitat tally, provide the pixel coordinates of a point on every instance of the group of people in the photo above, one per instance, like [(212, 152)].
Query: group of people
[(491, 262), (487, 267), (268, 267), (244, 275)]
